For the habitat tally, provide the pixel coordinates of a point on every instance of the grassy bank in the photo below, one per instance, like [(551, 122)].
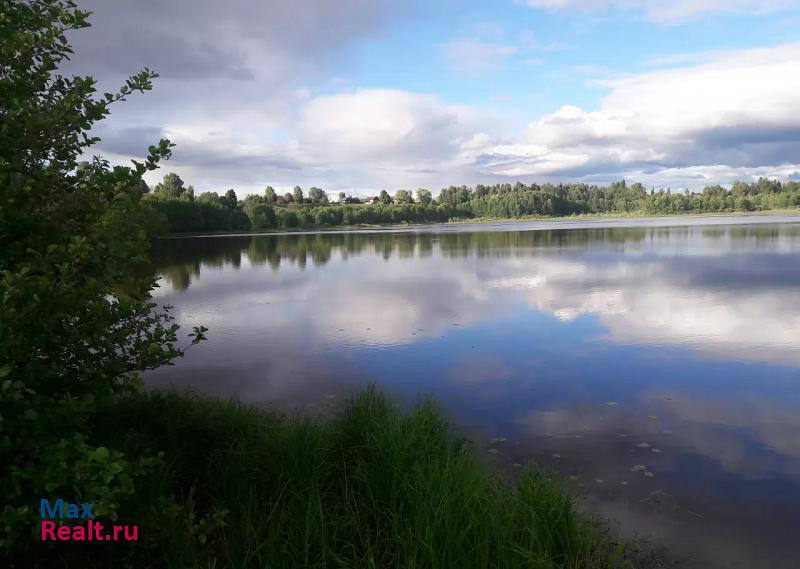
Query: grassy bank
[(241, 487), (480, 220)]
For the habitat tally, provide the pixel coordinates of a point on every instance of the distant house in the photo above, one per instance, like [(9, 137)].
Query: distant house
[(369, 199), (279, 199)]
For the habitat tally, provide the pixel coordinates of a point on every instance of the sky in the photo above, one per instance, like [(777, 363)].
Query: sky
[(363, 95)]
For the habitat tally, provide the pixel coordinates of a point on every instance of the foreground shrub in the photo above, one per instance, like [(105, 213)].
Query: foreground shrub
[(77, 322)]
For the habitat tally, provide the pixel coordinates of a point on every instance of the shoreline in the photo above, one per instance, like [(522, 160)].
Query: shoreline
[(484, 221)]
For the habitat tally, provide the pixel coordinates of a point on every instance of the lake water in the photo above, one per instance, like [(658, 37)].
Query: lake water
[(655, 363)]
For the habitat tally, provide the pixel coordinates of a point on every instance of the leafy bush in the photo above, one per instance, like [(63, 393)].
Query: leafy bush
[(78, 323)]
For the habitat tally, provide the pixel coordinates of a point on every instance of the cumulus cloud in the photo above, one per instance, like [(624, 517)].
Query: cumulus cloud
[(667, 11), (383, 124), (232, 78), (736, 114), (253, 95), (729, 118)]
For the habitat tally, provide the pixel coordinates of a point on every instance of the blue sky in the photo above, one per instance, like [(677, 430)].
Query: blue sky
[(553, 55), (359, 95)]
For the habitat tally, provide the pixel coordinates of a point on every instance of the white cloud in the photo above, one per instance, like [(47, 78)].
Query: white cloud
[(737, 88), (732, 117), (667, 11), (386, 135), (355, 140), (232, 78), (382, 124), (257, 105), (737, 113)]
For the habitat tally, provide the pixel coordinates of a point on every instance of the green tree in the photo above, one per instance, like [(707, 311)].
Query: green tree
[(230, 198), (261, 216), (318, 196), (384, 197), (287, 218), (424, 197), (189, 194), (77, 231), (210, 197), (342, 197), (252, 200), (288, 197), (455, 195), (297, 194), (403, 197), (270, 194), (171, 186)]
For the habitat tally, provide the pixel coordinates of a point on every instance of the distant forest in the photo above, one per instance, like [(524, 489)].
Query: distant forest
[(180, 211)]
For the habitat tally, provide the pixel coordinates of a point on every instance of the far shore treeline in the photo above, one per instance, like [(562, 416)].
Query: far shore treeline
[(180, 211)]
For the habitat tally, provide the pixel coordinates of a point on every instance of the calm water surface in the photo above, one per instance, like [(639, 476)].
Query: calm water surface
[(656, 367)]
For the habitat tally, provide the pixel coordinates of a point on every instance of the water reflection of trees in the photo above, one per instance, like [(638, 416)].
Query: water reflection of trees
[(181, 260), (762, 235)]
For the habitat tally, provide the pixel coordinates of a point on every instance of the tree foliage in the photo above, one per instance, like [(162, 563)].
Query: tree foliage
[(318, 196), (171, 186), (78, 322), (424, 197), (403, 197), (463, 202), (231, 201)]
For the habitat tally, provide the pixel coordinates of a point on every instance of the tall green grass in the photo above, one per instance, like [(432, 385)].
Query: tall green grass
[(372, 488)]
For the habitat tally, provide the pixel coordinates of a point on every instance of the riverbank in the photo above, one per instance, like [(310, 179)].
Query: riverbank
[(372, 487), (488, 220)]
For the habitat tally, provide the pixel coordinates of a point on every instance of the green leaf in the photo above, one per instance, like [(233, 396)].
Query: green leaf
[(100, 454)]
